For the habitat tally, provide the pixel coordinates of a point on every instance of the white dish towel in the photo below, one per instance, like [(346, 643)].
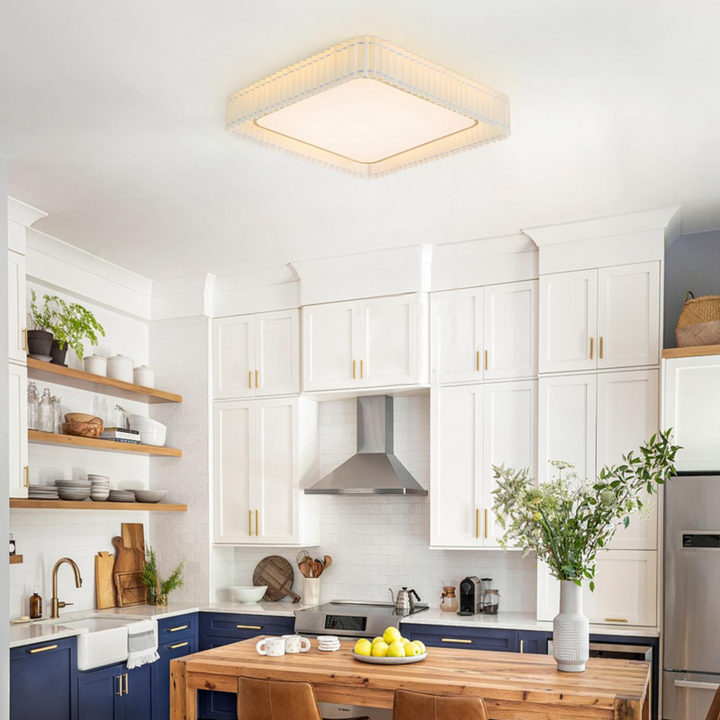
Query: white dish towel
[(142, 643)]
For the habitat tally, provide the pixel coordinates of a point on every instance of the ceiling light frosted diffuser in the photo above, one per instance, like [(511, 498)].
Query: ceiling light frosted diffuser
[(368, 108)]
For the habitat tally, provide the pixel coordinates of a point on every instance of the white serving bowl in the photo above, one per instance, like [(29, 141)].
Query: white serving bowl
[(150, 496), (140, 423), (148, 437), (248, 593)]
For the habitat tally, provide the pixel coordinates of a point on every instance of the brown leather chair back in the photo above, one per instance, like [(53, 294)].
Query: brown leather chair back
[(276, 700), (714, 713), (421, 706)]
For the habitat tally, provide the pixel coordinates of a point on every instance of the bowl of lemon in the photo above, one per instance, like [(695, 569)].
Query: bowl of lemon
[(390, 649)]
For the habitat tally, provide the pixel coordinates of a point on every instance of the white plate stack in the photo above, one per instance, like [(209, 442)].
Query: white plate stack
[(121, 496), (76, 490), (42, 492), (99, 487), (328, 643)]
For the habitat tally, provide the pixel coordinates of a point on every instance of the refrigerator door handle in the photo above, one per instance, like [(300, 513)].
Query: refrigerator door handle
[(696, 685)]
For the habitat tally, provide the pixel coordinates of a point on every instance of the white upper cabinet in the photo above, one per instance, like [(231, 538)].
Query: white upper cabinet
[(370, 343), (17, 425), (608, 318), (457, 340), (510, 330), (629, 315), (256, 355), (17, 318), (568, 317)]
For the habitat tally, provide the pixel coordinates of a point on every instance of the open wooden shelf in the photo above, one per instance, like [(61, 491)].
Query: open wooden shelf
[(697, 351), (47, 372), (92, 505), (35, 436), (16, 559)]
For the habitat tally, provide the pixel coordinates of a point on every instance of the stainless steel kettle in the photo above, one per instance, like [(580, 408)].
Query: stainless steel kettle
[(404, 602)]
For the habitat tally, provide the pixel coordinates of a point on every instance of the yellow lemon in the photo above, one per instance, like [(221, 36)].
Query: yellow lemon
[(363, 647), (421, 645), (396, 649), (377, 640), (404, 640), (391, 634), (380, 649), (412, 649)]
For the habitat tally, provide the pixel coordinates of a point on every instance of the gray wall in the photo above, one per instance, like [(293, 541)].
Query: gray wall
[(692, 263), (4, 510)]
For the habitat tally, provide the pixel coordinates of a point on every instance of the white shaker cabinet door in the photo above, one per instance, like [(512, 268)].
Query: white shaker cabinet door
[(234, 463), (17, 318), (277, 476), (456, 485), (510, 330), (628, 416), (388, 341), (566, 424), (17, 426), (568, 321), (331, 346), (510, 438), (629, 315), (277, 353), (457, 342), (234, 357)]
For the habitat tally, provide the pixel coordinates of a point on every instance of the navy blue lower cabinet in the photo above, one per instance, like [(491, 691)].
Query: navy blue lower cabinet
[(533, 642), (115, 693), (42, 681), (450, 636), (161, 682)]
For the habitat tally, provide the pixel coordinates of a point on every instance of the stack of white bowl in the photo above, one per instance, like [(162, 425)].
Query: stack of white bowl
[(73, 489), (42, 492), (99, 487), (151, 432), (121, 496)]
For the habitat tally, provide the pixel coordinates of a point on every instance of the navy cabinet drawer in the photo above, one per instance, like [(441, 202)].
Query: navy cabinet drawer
[(173, 650), (217, 705), (463, 638), (242, 627), (180, 626), (533, 642)]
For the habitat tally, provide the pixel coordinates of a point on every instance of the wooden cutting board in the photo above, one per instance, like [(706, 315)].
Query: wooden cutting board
[(131, 590), (133, 535), (104, 583), (277, 573), (127, 559)]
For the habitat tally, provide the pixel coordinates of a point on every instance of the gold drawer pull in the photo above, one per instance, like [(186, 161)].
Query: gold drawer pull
[(354, 369), (592, 348), (362, 369), (179, 627), (522, 647), (119, 693), (179, 645), (43, 649), (257, 523), (27, 476), (602, 347), (487, 523), (126, 684), (487, 360), (453, 640), (250, 378), (621, 620), (477, 523), (477, 361), (249, 627), (250, 523), (257, 378)]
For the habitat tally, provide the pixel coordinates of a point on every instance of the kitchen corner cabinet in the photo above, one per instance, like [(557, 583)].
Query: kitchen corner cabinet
[(42, 681), (380, 342), (265, 453), (18, 434), (485, 333), (600, 319), (256, 355), (17, 318), (115, 693), (474, 427)]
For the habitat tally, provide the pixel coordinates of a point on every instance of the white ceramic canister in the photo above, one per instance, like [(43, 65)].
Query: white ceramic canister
[(144, 376), (96, 365), (120, 367)]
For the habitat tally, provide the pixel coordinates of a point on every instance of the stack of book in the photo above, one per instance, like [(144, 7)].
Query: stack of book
[(121, 435)]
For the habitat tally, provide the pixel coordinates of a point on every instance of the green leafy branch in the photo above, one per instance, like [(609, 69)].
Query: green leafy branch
[(151, 576)]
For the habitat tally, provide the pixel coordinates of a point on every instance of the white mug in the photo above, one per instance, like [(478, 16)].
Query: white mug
[(272, 647), (296, 644)]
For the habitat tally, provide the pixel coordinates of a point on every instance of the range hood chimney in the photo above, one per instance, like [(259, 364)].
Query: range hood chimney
[(374, 469)]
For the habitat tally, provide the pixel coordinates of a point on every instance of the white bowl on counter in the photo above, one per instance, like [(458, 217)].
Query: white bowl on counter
[(248, 593)]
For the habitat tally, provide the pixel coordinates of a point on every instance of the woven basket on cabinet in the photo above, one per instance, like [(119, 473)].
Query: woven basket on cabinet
[(699, 322)]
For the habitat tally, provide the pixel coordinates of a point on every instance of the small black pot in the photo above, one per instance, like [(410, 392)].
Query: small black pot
[(58, 355), (39, 342)]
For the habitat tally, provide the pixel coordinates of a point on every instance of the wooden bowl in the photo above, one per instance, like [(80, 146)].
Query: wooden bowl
[(90, 429), (80, 417)]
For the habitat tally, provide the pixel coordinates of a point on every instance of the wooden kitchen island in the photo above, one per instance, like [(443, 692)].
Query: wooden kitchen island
[(514, 686)]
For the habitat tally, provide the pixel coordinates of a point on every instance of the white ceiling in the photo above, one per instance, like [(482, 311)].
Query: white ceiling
[(112, 114)]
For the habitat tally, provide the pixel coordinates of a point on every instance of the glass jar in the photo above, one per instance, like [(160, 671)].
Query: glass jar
[(57, 415), (491, 602), (448, 601), (33, 407), (46, 413)]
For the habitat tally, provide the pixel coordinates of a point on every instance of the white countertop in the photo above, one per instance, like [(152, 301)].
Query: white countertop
[(49, 630)]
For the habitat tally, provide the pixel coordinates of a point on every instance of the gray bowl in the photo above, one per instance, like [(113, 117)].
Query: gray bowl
[(150, 496)]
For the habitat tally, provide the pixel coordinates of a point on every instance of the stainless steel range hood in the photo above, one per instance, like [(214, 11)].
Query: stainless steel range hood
[(374, 469)]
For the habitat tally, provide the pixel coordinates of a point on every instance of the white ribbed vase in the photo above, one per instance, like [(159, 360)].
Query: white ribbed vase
[(571, 630)]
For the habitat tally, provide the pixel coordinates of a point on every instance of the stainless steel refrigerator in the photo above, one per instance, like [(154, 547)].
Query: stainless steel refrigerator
[(691, 658)]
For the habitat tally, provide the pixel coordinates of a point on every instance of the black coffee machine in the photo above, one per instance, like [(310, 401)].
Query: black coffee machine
[(470, 596)]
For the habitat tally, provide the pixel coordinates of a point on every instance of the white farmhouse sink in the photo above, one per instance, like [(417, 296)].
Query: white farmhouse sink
[(102, 640)]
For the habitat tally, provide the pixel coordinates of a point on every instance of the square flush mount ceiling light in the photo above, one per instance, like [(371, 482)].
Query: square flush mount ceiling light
[(368, 108)]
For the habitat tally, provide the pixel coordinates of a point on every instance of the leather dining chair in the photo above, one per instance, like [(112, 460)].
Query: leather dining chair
[(277, 700), (410, 705)]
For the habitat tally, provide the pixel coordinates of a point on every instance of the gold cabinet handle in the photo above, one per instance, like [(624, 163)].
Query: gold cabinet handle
[(362, 371), (487, 360), (620, 620), (250, 379), (354, 369), (257, 378), (602, 347), (27, 476), (522, 647), (42, 649), (249, 627), (178, 645), (119, 693), (25, 340), (487, 523), (257, 523), (126, 684), (592, 348), (454, 640), (477, 361), (179, 627), (477, 523), (250, 523)]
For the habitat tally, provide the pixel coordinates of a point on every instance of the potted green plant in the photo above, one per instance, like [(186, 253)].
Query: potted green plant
[(568, 520), (71, 324), (159, 589), (40, 336)]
